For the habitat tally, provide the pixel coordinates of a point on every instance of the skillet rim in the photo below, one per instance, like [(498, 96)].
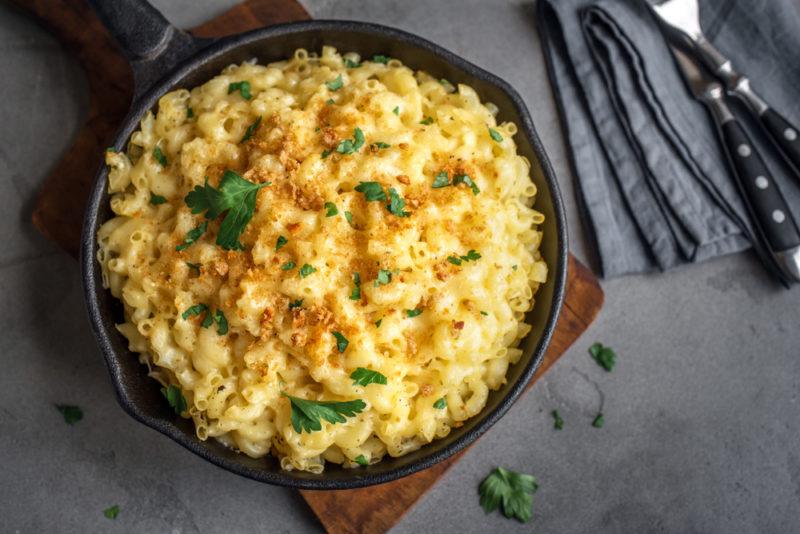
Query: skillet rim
[(361, 477)]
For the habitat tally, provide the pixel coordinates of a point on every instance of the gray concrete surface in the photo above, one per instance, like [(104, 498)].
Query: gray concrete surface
[(701, 412)]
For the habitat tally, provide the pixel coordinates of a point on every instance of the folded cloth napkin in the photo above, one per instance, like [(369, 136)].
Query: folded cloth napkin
[(653, 182)]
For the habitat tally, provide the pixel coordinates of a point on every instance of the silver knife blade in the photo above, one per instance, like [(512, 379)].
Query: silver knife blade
[(681, 15), (699, 82)]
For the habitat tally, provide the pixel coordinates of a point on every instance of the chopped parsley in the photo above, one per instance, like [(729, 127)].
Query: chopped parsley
[(396, 204), (222, 322), (159, 156), (350, 147), (380, 59), (236, 197), (288, 266), (113, 511), (194, 310), (414, 312), (175, 398), (440, 404), (378, 322), (251, 130), (326, 153), (396, 110), (335, 84), (514, 491), (472, 255), (189, 112), (341, 341), (350, 64), (349, 217), (194, 266), (208, 320), (331, 209), (330, 102), (380, 145), (514, 267), (155, 200), (306, 270), (558, 422), (360, 460), (280, 242), (306, 414), (598, 421), (484, 313), (192, 236), (243, 87), (604, 356), (427, 120), (454, 260), (495, 135), (383, 278), (71, 414), (356, 293), (441, 180), (363, 377), (466, 180), (372, 191), (295, 304)]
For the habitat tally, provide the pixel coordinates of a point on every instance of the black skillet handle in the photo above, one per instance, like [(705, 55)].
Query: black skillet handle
[(761, 193), (786, 135), (152, 45)]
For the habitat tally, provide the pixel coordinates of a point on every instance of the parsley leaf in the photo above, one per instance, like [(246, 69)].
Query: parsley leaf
[(441, 180), (243, 87), (175, 398), (372, 191), (159, 156), (189, 112), (288, 266), (604, 356), (514, 491), (414, 312), (598, 421), (440, 404), (222, 322), (484, 313), (363, 377), (296, 304), (381, 145), (236, 196), (341, 341), (192, 236), (349, 147), (558, 422), (197, 309), (396, 110), (427, 120), (306, 414), (280, 242), (330, 102), (349, 217), (383, 278), (360, 460), (454, 260), (356, 293), (111, 512), (495, 135), (396, 204), (155, 200), (306, 270), (251, 130), (208, 320), (350, 64), (71, 414), (335, 84), (331, 209), (465, 179), (380, 59), (472, 255), (326, 153), (378, 322), (194, 266)]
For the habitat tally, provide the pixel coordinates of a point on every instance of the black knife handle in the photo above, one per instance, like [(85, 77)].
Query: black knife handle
[(785, 134), (764, 198)]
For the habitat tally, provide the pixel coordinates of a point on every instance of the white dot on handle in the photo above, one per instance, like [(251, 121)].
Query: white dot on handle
[(761, 182), (790, 134), (743, 150), (778, 216)]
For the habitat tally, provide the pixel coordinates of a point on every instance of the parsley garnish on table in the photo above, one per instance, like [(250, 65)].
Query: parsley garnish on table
[(363, 377), (558, 422), (509, 490), (604, 356), (236, 197), (175, 398), (599, 421), (306, 414), (71, 414), (111, 512)]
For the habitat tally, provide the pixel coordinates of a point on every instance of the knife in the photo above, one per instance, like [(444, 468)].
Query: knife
[(682, 19), (764, 199)]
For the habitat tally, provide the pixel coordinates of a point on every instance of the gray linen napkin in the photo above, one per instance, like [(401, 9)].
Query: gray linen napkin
[(652, 179)]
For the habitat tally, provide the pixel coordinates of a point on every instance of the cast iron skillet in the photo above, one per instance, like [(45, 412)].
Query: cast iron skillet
[(164, 58)]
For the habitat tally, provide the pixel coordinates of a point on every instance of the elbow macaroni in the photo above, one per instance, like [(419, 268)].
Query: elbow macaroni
[(460, 346)]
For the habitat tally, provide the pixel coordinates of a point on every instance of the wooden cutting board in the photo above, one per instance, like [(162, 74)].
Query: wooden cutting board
[(58, 214)]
